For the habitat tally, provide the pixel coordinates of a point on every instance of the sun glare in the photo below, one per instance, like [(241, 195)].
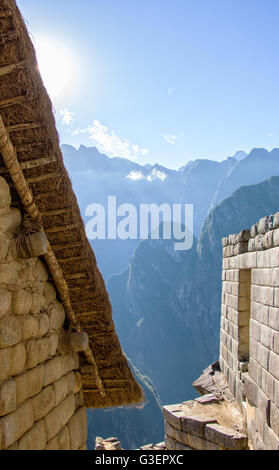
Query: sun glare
[(55, 64)]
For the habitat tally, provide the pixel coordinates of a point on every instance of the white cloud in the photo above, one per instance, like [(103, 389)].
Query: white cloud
[(135, 176), (156, 174), (170, 138), (109, 143), (67, 116), (170, 91)]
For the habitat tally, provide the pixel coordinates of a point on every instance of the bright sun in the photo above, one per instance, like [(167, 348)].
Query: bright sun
[(55, 64)]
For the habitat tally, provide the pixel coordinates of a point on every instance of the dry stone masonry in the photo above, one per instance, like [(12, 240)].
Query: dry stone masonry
[(41, 398), (245, 382), (249, 343)]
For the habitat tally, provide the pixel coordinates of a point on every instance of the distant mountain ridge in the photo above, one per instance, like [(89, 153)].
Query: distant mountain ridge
[(203, 183)]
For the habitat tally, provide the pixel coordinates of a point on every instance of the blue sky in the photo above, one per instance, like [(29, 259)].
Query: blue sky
[(161, 81)]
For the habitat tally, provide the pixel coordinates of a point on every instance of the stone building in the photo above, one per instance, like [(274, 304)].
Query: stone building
[(59, 352), (241, 392)]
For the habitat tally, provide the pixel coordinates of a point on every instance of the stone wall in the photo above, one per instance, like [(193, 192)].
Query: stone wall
[(249, 341), (41, 401), (195, 425)]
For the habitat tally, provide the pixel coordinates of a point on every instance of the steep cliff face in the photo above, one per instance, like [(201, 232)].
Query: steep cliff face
[(167, 305)]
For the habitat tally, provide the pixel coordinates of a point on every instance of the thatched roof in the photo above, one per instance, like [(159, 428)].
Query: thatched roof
[(32, 164)]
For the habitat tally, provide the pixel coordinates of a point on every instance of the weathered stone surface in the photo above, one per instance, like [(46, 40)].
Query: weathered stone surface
[(64, 440), (170, 443), (58, 417), (17, 359), (52, 370), (43, 327), (225, 437), (274, 365), (5, 195), (34, 381), (70, 362), (22, 302), (40, 272), (38, 303), (43, 403), (21, 389), (195, 424), (38, 243), (35, 439), (75, 430), (198, 443), (15, 424), (9, 272), (50, 293), (5, 300), (52, 444), (79, 341), (61, 389), (40, 350), (5, 364), (10, 221), (173, 414), (263, 225), (30, 327), (56, 316), (10, 331), (7, 397)]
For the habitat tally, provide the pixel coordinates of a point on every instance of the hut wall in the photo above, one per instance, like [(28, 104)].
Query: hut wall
[(41, 398)]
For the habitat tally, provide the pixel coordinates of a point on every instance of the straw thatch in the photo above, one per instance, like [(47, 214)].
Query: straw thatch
[(32, 164)]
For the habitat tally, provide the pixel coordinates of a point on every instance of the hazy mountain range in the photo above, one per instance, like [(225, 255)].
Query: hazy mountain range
[(203, 183)]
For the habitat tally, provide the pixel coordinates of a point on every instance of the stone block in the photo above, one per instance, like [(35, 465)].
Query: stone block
[(179, 446), (17, 359), (7, 397), (274, 364), (76, 430), (52, 444), (43, 327), (79, 341), (22, 302), (195, 424), (274, 418), (5, 301), (263, 225), (260, 313), (10, 221), (70, 362), (52, 370), (10, 331), (40, 272), (16, 424), (271, 440), (199, 443), (61, 389), (273, 318), (262, 356), (30, 327), (59, 416), (5, 364), (276, 237), (64, 440), (9, 272), (40, 350), (276, 297), (268, 384), (56, 314), (173, 414), (76, 384), (35, 439), (39, 304), (225, 437), (268, 240), (43, 403), (34, 380), (5, 195), (267, 336), (170, 443), (21, 389), (50, 293), (276, 220)]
